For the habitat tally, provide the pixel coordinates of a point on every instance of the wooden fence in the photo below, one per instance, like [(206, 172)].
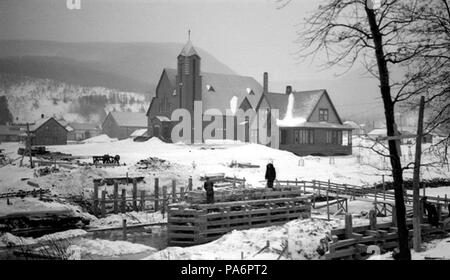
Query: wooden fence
[(358, 242), (140, 200), (196, 224), (353, 191)]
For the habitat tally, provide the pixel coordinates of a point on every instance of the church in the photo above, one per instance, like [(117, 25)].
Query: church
[(307, 124)]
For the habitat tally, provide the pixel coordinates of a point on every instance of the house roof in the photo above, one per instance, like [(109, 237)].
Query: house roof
[(304, 102), (139, 132), (41, 122), (130, 119), (84, 126), (378, 132), (225, 87)]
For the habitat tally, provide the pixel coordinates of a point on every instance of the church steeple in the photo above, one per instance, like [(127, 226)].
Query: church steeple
[(189, 80), (188, 49)]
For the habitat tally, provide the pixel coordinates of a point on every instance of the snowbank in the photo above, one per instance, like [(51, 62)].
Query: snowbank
[(303, 237), (103, 138), (132, 218), (106, 248)]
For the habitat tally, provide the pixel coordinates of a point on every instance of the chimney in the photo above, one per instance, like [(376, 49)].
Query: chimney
[(288, 89), (42, 116), (266, 83)]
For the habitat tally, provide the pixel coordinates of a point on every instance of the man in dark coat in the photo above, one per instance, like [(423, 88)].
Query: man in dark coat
[(209, 188), (431, 212), (271, 175)]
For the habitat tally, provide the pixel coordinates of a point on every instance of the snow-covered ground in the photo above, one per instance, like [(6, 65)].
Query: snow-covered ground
[(180, 161)]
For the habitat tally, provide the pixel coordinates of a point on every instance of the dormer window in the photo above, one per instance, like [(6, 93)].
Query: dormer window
[(323, 115), (210, 88), (250, 91)]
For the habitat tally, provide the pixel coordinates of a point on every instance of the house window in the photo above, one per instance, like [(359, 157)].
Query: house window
[(304, 136), (334, 137), (323, 115)]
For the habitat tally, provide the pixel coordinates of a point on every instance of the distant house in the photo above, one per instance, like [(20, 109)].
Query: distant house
[(48, 131), (122, 124), (377, 132), (10, 133), (357, 129), (82, 131)]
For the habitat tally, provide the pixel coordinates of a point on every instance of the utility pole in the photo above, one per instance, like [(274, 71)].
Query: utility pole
[(28, 143), (417, 239)]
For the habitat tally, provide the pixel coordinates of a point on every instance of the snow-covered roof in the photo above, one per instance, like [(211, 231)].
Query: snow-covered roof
[(130, 119), (378, 132), (163, 118), (315, 125), (304, 102), (225, 86), (41, 122), (139, 132)]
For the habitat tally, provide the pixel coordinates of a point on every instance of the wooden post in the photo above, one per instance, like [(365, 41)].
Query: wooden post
[(174, 191), (29, 145), (384, 195), (142, 206), (319, 188), (243, 183), (135, 208), (123, 206), (190, 184), (348, 226), (181, 193), (417, 240), (394, 216), (304, 187), (95, 197), (124, 229), (156, 192), (373, 219), (127, 178), (116, 197), (164, 202), (328, 201), (103, 213), (439, 211)]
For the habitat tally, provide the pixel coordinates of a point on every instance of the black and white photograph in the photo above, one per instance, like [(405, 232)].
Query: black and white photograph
[(225, 130)]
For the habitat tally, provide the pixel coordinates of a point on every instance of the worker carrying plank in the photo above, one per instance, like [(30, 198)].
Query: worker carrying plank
[(209, 188)]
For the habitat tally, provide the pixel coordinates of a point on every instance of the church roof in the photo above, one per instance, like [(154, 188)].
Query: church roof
[(188, 49), (219, 89)]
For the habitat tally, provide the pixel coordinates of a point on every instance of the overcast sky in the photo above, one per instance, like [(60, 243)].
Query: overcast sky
[(250, 36)]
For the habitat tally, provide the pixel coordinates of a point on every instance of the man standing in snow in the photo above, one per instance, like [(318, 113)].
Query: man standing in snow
[(271, 175), (209, 188)]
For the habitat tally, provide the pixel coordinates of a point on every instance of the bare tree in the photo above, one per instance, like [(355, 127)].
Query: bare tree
[(383, 38)]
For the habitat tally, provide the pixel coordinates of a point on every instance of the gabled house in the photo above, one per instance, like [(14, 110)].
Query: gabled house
[(122, 124), (308, 123), (48, 131)]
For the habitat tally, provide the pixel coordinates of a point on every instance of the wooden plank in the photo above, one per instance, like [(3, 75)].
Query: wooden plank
[(116, 197), (124, 203), (135, 208)]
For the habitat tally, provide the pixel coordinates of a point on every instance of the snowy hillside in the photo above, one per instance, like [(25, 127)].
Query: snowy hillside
[(28, 98)]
